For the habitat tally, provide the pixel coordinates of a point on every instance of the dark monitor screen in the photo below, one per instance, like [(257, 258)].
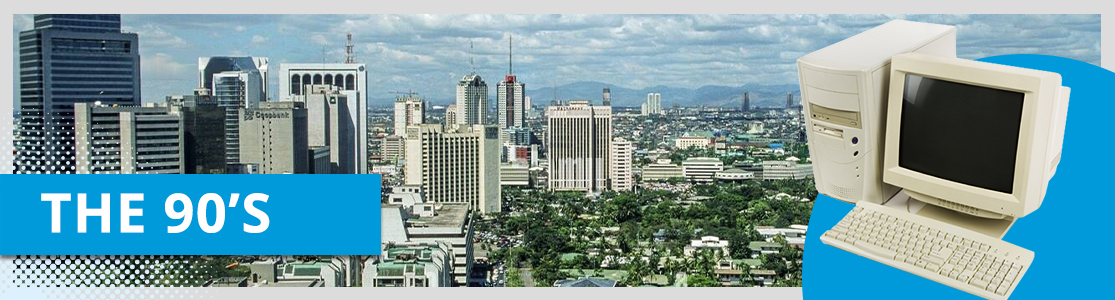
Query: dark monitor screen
[(960, 132)]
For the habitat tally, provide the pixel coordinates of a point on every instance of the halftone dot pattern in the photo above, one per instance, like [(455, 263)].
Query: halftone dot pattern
[(7, 147), (107, 277)]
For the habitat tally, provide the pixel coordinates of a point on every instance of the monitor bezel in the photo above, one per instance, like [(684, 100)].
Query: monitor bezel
[(1039, 89)]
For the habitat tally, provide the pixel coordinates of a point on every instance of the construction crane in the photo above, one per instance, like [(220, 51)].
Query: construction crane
[(409, 93)]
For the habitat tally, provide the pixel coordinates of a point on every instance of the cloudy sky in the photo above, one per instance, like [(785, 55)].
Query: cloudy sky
[(429, 53)]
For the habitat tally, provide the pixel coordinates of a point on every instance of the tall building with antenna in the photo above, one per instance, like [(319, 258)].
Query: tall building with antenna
[(510, 96), (472, 97), (350, 79)]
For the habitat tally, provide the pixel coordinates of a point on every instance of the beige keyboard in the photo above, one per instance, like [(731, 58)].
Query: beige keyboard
[(972, 262)]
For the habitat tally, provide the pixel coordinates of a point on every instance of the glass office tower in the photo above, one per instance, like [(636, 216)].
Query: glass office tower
[(67, 59)]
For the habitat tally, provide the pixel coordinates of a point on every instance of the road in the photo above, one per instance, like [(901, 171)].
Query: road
[(528, 280)]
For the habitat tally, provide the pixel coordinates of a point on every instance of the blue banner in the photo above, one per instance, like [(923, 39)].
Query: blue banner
[(189, 214)]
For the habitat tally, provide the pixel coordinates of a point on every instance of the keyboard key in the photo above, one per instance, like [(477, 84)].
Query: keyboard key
[(873, 249)]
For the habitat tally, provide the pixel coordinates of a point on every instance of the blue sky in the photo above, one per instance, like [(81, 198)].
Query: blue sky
[(429, 53)]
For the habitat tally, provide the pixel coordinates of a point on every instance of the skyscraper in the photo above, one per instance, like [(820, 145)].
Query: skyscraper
[(127, 139), (578, 141), (459, 165), (509, 96), (63, 60), (622, 178), (234, 91), (746, 102), (789, 100), (409, 110), (472, 100), (607, 96), (351, 79), (653, 106)]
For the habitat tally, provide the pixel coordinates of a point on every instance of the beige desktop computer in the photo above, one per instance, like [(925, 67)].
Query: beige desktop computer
[(977, 143), (844, 90)]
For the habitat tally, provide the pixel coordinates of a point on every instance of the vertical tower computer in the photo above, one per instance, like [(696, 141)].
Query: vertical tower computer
[(844, 92)]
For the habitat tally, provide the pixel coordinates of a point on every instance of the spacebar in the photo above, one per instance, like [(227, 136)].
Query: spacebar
[(880, 251)]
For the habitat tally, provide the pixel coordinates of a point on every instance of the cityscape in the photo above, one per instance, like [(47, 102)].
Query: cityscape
[(535, 190)]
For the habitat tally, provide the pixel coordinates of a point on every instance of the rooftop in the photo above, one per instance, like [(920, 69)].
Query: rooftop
[(447, 215), (586, 282)]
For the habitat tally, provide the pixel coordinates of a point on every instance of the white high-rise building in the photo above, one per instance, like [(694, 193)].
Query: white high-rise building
[(451, 115), (351, 79), (653, 106), (472, 100), (622, 174), (578, 140), (409, 110), (458, 165), (128, 139)]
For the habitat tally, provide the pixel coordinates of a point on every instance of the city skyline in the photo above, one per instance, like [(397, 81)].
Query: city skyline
[(415, 52)]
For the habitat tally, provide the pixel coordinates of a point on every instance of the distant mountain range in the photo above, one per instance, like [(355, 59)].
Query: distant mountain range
[(709, 95)]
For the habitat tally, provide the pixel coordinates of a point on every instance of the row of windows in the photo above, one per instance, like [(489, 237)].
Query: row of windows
[(91, 86), (101, 17), (98, 58), (91, 65), (88, 78), (346, 82), (87, 72)]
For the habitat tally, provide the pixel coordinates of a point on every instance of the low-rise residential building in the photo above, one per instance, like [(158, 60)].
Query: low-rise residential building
[(710, 243)]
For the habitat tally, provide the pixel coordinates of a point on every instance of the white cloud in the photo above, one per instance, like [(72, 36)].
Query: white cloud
[(240, 28), (258, 39), (162, 66), (152, 35)]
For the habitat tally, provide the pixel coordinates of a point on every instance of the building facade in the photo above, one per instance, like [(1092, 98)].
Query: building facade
[(203, 126), (351, 80), (409, 110), (235, 91), (661, 170), (653, 106), (578, 141), (622, 168), (128, 139), (472, 100), (275, 138), (64, 60), (685, 142), (459, 165), (328, 121), (701, 169)]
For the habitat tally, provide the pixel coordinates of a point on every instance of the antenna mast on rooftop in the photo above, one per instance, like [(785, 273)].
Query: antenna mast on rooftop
[(471, 66), (350, 53)]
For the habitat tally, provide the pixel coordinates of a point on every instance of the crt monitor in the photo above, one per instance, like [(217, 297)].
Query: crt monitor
[(974, 137)]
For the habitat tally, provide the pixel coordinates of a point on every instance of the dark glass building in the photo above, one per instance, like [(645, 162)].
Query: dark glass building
[(203, 126), (69, 59)]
